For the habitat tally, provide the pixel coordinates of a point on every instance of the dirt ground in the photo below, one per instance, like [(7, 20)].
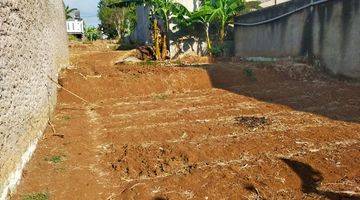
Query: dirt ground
[(222, 131)]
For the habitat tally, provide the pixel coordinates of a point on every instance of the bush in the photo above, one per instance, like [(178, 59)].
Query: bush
[(216, 51), (92, 33), (73, 38)]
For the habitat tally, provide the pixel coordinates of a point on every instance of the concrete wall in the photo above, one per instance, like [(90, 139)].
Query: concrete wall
[(33, 47), (327, 34)]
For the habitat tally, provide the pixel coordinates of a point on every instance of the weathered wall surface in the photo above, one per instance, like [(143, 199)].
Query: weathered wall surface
[(327, 33), (33, 47)]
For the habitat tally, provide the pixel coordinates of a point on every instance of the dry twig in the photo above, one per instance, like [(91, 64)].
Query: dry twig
[(72, 93)]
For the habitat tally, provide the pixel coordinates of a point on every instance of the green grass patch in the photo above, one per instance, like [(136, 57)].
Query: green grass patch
[(73, 38), (55, 159), (36, 196)]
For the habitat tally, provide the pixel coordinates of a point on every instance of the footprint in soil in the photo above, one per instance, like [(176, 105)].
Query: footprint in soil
[(251, 121)]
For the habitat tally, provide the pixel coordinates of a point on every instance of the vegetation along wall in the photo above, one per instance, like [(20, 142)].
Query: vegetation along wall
[(327, 33), (33, 48)]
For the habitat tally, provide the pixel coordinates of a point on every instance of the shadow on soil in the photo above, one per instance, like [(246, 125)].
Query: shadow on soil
[(312, 178), (299, 90)]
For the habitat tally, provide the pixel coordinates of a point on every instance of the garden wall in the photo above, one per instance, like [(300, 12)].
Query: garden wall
[(327, 34), (33, 49)]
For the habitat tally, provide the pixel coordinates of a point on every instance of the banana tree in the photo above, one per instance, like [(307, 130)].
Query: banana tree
[(202, 17), (167, 10), (223, 11)]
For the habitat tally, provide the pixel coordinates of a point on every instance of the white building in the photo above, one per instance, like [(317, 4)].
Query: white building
[(75, 25), (267, 3)]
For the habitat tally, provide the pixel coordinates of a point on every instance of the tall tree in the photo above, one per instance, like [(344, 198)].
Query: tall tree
[(116, 21), (68, 12)]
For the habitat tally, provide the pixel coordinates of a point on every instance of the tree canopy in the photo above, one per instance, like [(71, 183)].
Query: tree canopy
[(116, 21), (68, 12)]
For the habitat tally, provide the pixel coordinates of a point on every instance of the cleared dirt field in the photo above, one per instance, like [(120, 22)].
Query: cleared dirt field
[(223, 131)]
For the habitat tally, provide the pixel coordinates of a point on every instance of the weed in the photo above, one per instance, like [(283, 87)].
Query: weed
[(36, 196), (161, 96), (149, 62), (249, 73), (54, 159), (66, 117)]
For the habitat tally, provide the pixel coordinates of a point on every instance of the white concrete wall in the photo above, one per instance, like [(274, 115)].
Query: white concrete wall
[(33, 48)]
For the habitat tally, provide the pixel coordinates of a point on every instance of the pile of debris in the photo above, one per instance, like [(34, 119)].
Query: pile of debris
[(140, 54)]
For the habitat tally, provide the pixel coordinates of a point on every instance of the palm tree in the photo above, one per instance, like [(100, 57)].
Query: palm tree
[(68, 12)]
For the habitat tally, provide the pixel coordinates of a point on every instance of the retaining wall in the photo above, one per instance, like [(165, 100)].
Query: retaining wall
[(327, 34), (33, 49)]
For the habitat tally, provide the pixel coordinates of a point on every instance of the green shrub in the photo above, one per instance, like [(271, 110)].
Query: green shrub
[(73, 38), (216, 51), (92, 33)]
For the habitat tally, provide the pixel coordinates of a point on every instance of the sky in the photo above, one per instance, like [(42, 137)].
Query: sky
[(88, 10)]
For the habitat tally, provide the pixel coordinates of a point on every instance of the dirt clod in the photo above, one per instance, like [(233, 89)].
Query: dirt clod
[(252, 121)]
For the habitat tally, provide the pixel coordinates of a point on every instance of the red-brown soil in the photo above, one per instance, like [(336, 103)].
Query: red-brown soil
[(223, 131)]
